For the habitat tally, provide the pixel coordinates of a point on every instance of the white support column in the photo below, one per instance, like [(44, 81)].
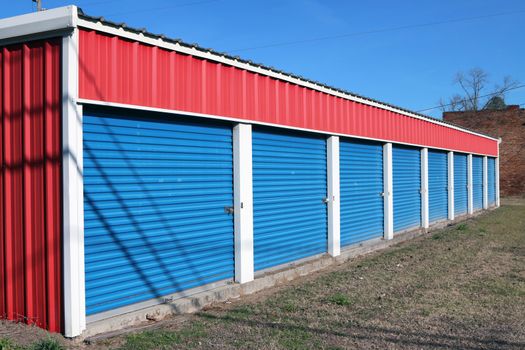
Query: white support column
[(424, 187), (451, 185), (496, 178), (334, 221), (73, 192), (388, 192), (243, 202), (470, 188), (485, 183)]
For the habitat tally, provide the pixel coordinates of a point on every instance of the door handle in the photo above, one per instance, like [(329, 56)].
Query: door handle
[(326, 200), (229, 210)]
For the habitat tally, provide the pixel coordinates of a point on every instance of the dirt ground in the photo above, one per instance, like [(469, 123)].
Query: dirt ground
[(458, 288)]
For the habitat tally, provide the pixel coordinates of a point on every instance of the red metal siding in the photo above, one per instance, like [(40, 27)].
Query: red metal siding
[(30, 184), (114, 69)]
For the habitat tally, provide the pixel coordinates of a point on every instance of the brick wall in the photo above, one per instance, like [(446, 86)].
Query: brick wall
[(509, 124)]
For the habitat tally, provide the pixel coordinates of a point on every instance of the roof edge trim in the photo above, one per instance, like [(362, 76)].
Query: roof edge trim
[(38, 22)]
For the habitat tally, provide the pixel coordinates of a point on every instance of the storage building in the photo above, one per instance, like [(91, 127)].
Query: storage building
[(137, 169)]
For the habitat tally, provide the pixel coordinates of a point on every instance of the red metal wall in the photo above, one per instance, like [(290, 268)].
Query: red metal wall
[(30, 184), (114, 69)]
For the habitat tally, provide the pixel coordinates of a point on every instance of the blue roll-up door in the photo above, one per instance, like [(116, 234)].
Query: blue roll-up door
[(361, 185), (460, 184), (406, 163), (477, 182), (491, 181), (289, 184), (155, 190), (437, 185)]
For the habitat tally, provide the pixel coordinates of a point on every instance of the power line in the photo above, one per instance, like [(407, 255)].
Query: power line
[(375, 31), (96, 2), (163, 8), (466, 99)]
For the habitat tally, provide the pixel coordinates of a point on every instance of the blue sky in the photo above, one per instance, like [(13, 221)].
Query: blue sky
[(410, 67)]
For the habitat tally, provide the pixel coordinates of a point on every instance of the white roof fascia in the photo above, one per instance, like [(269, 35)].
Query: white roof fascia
[(34, 24)]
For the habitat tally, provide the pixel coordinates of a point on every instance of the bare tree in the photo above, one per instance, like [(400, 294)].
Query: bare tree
[(507, 84), (474, 93), (472, 85)]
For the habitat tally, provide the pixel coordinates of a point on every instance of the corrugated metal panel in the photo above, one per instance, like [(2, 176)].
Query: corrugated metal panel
[(406, 166), (289, 184), (114, 69), (154, 196), (460, 184), (437, 185), (30, 184), (477, 182), (491, 181), (361, 185), (106, 26)]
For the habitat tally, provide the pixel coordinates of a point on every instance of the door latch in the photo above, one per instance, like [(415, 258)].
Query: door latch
[(229, 210), (326, 200)]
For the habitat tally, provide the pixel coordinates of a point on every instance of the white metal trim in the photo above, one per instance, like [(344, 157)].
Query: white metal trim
[(73, 192), (334, 218), (485, 183), (469, 185), (424, 187), (388, 191), (38, 22), (159, 42), (243, 202), (253, 122), (496, 178), (451, 208)]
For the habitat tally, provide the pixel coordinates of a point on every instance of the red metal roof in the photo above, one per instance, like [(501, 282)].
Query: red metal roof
[(113, 69)]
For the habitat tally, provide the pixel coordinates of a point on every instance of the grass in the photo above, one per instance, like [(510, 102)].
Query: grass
[(462, 227), (41, 344), (7, 344), (340, 299), (164, 339), (293, 338), (47, 344)]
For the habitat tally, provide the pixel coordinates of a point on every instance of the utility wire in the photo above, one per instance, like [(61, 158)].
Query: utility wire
[(163, 8), (466, 99), (375, 31), (95, 2)]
